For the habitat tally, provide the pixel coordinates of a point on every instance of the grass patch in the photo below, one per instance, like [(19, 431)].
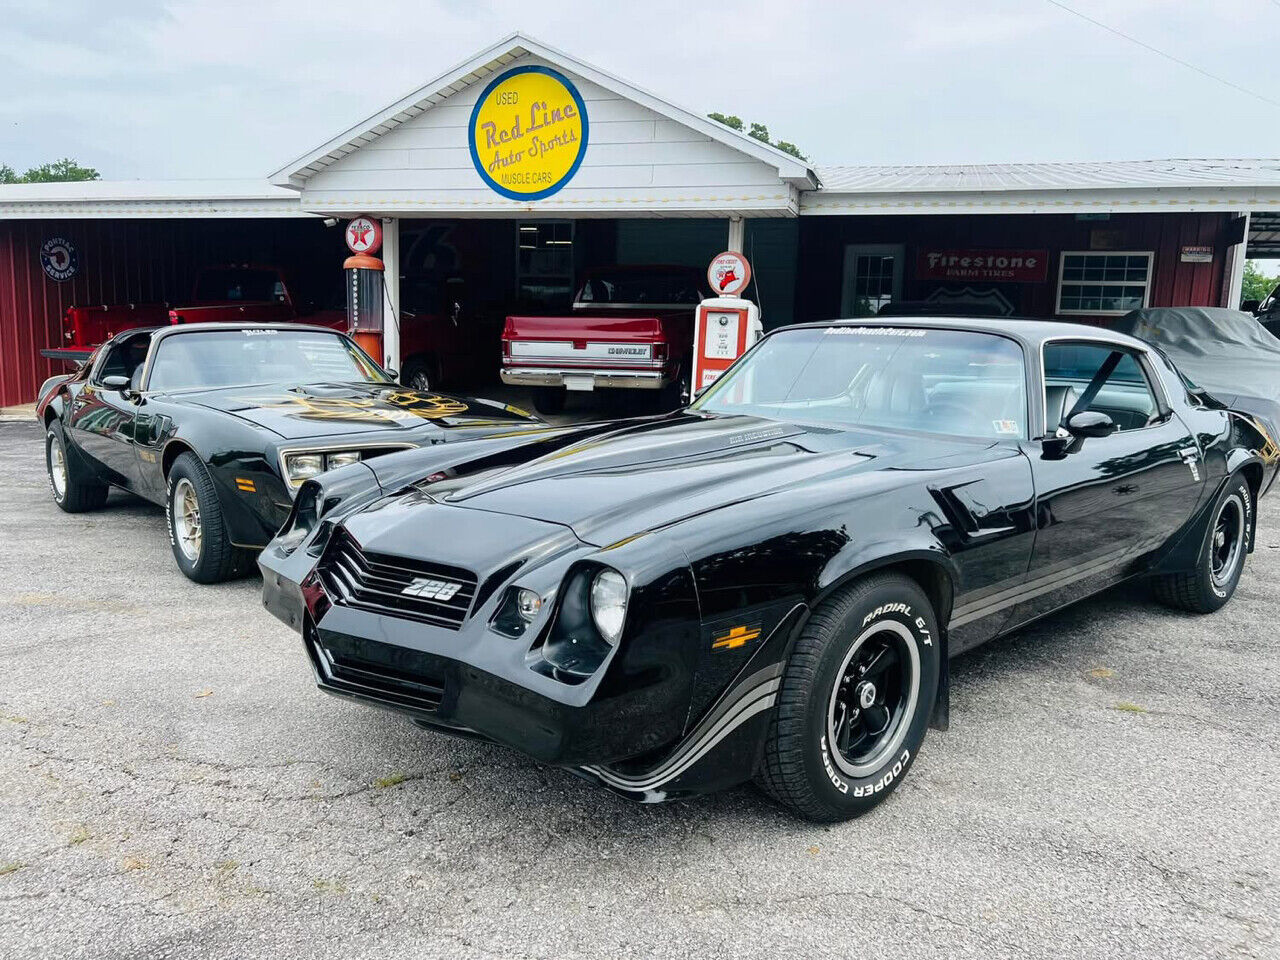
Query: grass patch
[(390, 780), (78, 836), (321, 885), (1124, 706), (1102, 673), (8, 868)]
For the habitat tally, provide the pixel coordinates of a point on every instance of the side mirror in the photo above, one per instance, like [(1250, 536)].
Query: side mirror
[(1090, 423), (393, 374), (117, 382), (1250, 306)]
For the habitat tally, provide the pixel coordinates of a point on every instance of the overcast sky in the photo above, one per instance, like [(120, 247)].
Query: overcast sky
[(222, 88)]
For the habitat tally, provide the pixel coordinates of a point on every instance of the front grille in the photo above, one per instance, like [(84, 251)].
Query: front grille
[(377, 670), (398, 586)]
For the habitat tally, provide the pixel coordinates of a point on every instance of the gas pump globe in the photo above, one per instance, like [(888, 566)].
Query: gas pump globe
[(364, 302)]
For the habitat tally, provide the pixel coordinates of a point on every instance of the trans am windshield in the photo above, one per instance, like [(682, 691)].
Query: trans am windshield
[(912, 378), (234, 358)]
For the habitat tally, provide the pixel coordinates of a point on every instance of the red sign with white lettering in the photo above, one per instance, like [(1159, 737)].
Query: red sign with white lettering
[(993, 266)]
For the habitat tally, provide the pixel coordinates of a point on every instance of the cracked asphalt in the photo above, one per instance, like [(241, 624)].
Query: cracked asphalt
[(173, 785)]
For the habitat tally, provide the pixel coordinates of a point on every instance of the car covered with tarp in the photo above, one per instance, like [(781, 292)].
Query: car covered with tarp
[(1229, 358)]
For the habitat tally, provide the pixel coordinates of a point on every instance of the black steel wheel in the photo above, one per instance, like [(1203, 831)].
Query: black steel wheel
[(1227, 541), (855, 700)]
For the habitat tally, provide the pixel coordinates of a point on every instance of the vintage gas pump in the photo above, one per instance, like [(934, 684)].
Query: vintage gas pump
[(364, 279), (724, 325)]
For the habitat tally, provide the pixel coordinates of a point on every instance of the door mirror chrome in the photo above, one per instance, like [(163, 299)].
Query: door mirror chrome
[(1090, 423)]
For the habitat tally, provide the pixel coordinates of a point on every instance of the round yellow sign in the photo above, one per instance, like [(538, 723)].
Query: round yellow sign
[(528, 133)]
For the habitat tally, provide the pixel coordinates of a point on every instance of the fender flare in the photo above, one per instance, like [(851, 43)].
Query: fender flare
[(913, 559)]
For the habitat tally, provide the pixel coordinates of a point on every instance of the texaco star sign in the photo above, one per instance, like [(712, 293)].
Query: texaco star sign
[(364, 235)]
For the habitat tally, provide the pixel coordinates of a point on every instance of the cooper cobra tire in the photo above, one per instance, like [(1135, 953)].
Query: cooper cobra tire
[(197, 532), (72, 490), (549, 400), (823, 757), (1227, 540)]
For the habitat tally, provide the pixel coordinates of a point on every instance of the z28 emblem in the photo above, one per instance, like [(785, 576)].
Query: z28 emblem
[(429, 589)]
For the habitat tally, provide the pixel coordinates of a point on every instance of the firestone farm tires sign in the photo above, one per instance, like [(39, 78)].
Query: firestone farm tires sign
[(528, 133)]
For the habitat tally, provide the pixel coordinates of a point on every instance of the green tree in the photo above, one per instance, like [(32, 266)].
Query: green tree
[(1257, 285), (759, 131), (65, 170), (732, 122)]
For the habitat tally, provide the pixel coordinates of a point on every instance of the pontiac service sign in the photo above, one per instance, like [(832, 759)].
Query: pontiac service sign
[(528, 133)]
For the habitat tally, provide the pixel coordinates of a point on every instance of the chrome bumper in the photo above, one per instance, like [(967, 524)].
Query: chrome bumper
[(555, 377)]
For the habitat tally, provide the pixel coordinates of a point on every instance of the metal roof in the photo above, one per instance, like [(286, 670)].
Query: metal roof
[(1125, 174), (98, 199), (498, 57)]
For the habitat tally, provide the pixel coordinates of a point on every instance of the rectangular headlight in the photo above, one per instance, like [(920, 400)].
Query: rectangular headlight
[(345, 458), (302, 466)]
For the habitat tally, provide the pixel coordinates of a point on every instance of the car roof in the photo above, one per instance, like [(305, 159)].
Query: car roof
[(1026, 330), (177, 328)]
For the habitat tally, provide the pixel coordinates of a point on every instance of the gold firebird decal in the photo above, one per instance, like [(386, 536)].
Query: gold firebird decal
[(406, 407)]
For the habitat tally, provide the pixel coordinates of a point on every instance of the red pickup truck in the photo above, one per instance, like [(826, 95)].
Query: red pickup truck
[(629, 327), (222, 293)]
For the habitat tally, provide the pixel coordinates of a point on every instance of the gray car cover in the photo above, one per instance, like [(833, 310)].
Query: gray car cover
[(1225, 353)]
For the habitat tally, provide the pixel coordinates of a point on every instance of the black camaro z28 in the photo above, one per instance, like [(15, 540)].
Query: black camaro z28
[(769, 583)]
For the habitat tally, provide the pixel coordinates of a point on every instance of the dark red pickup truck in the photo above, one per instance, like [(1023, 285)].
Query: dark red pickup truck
[(630, 327), (236, 292)]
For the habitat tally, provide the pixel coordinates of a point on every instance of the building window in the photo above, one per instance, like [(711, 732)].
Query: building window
[(1103, 283)]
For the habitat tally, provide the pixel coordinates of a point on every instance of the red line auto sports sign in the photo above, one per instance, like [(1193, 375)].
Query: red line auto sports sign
[(997, 266)]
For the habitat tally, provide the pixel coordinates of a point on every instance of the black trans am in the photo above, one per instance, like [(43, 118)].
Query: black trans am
[(769, 583), (221, 423)]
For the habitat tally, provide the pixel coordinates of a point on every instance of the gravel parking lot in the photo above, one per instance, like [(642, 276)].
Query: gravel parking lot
[(172, 784)]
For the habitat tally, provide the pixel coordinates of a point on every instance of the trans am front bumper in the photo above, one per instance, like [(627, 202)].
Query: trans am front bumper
[(667, 716)]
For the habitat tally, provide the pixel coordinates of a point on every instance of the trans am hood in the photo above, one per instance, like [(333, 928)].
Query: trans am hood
[(607, 485), (332, 409)]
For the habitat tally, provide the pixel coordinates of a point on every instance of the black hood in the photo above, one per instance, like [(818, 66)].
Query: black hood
[(607, 484), (331, 409)]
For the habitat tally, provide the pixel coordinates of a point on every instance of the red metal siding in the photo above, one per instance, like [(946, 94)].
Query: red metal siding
[(1173, 283), (139, 261)]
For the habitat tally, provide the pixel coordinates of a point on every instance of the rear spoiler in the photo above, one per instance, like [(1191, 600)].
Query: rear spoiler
[(76, 355)]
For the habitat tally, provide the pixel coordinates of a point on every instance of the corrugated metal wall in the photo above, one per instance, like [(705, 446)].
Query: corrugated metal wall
[(140, 261)]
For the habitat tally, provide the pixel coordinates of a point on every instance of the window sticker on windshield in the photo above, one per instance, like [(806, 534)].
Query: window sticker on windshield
[(1007, 427), (875, 332)]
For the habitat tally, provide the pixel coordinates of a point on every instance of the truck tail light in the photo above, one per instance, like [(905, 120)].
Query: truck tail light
[(660, 351), (506, 349)]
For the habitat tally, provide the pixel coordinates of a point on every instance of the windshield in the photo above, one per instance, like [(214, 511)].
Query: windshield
[(939, 381), (643, 286), (231, 358)]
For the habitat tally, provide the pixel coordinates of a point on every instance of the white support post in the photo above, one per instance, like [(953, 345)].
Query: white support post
[(1233, 279), (737, 234), (391, 288)]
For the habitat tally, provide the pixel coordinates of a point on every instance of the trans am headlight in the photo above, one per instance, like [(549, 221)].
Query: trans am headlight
[(609, 604), (299, 467)]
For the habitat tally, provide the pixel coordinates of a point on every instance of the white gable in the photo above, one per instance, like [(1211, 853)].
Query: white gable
[(643, 156)]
